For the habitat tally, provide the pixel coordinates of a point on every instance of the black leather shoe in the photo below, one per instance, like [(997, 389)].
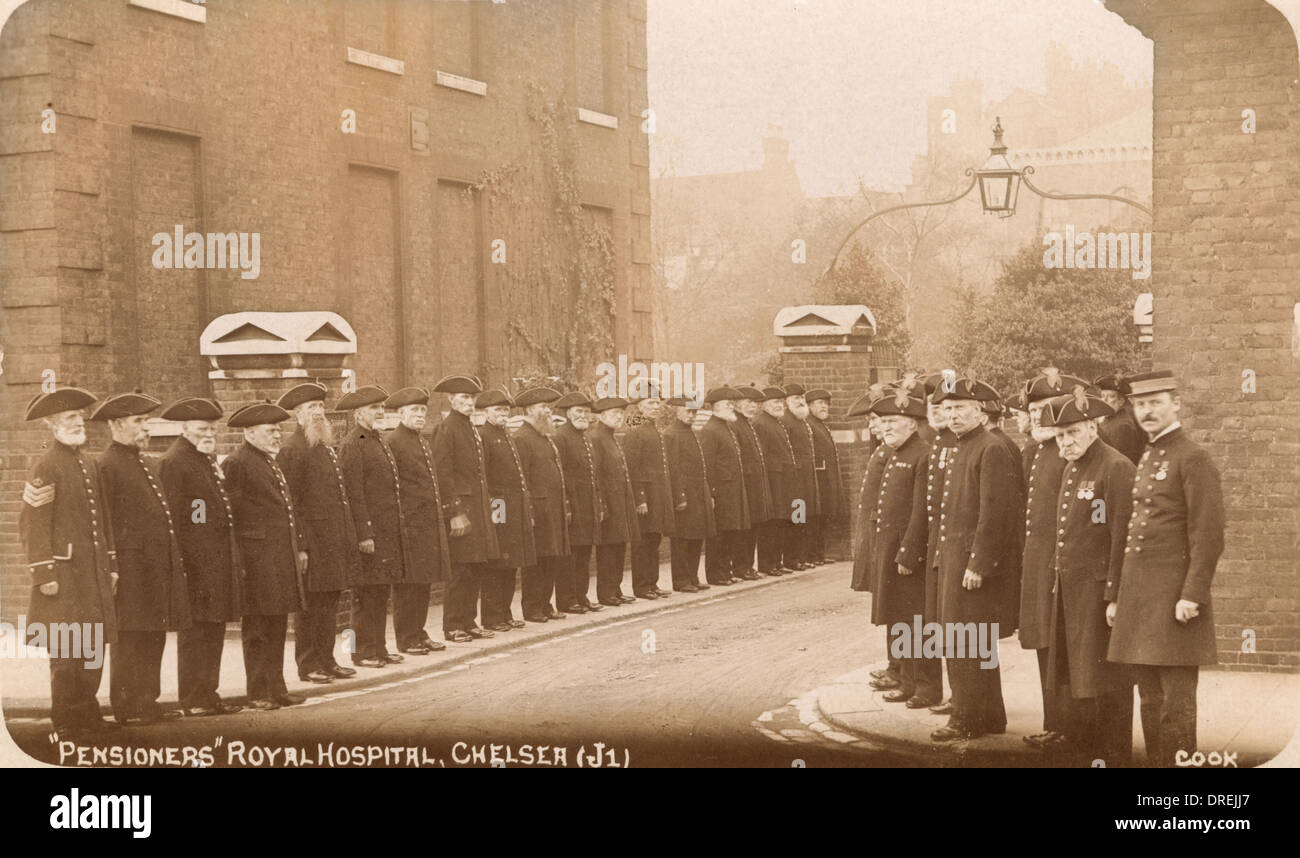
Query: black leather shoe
[(339, 671), (612, 603), (898, 695), (718, 582), (536, 618), (289, 699), (371, 661), (885, 683), (392, 658), (592, 606), (101, 725), (316, 676), (944, 708), (663, 594), (556, 615), (516, 624), (263, 705), (877, 674), (771, 573), (458, 636), (575, 609), (415, 649), (952, 733), (218, 708), (501, 627), (687, 588), (751, 575), (626, 600), (432, 645), (920, 702), (647, 595), (703, 586), (476, 632)]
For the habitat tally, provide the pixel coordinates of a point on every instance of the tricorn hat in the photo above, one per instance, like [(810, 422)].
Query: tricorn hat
[(125, 405), (58, 401), (257, 414), (371, 394), (193, 408), (309, 391)]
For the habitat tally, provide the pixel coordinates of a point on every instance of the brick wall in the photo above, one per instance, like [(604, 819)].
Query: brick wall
[(1226, 280), (234, 125)]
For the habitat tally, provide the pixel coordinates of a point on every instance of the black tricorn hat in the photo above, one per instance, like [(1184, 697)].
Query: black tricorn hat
[(572, 399), (488, 398), (58, 401), (459, 384), (371, 394), (408, 396), (193, 408), (308, 391), (257, 414), (125, 405)]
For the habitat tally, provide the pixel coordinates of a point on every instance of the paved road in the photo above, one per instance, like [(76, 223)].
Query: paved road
[(679, 687)]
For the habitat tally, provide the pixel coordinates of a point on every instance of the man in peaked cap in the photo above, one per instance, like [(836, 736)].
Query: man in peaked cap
[(152, 594), (1091, 513), (1120, 430), (1042, 467), (374, 490), (778, 456), (427, 552), (543, 470), (896, 517), (271, 548), (619, 526), (826, 461), (798, 551), (976, 517), (329, 535), (726, 560), (758, 494), (586, 506), (656, 504), (1162, 622), (205, 531), (693, 521), (512, 514), (69, 545), (471, 537)]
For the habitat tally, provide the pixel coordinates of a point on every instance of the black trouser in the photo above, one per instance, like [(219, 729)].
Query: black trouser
[(770, 536), (720, 556), (410, 612), (1103, 725), (73, 686), (537, 584), (921, 677), (263, 638), (791, 543), (743, 559), (610, 560), (645, 563), (572, 583), (977, 693), (313, 631), (134, 678), (498, 592), (460, 601), (370, 618), (198, 663), (684, 555), (1168, 710), (814, 537), (895, 668), (1056, 701)]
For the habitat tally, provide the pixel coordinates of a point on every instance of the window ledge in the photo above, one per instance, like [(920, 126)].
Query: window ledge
[(177, 8), (464, 84), (376, 61), (594, 117)]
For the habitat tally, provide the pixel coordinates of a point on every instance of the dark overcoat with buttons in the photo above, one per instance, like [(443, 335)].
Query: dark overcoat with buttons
[(864, 532), (207, 541), (725, 466), (511, 503), (324, 512), (1043, 466), (758, 493), (544, 473), (68, 540), (462, 475), (266, 529), (979, 506), (647, 462), (826, 463), (1092, 507), (578, 459), (778, 457), (151, 593), (374, 494), (924, 530), (1175, 537), (898, 598), (804, 477), (1122, 432), (615, 484), (425, 532), (690, 477)]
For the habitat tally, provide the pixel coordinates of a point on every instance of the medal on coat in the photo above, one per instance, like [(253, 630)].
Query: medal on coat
[(1086, 491), (1163, 472), (943, 457)]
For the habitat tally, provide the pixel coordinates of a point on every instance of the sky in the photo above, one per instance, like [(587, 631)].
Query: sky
[(847, 79)]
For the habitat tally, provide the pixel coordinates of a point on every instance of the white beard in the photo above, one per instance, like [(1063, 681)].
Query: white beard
[(70, 437)]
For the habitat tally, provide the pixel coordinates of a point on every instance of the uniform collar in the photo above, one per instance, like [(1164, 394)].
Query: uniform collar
[(1168, 430)]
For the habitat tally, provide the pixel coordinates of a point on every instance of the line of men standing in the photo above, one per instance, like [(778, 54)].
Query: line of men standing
[(1109, 582), (186, 544)]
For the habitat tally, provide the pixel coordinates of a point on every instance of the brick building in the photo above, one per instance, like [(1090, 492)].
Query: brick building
[(464, 183)]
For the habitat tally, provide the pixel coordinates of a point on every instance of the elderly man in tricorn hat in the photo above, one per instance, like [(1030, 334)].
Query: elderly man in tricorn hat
[(586, 505), (1161, 617), (271, 548), (70, 557), (205, 530), (152, 595)]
